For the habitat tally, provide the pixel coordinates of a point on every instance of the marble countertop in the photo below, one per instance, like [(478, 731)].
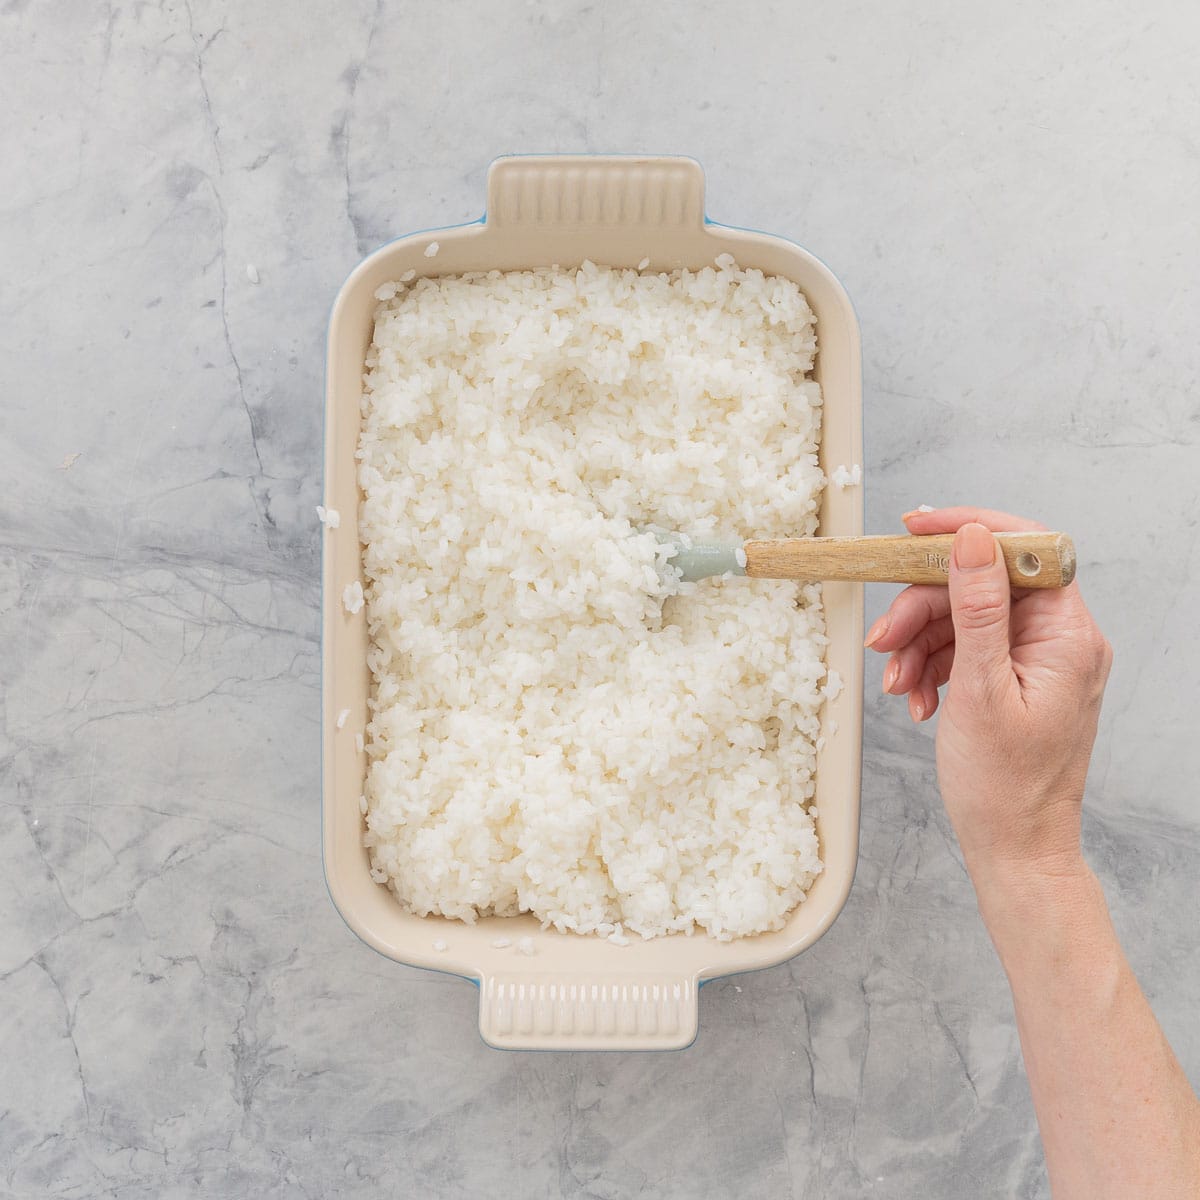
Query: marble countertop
[(1008, 192)]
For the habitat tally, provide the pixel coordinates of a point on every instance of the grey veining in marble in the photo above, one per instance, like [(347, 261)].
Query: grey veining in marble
[(1009, 193)]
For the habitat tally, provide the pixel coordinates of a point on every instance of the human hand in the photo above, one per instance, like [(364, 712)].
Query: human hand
[(1026, 671)]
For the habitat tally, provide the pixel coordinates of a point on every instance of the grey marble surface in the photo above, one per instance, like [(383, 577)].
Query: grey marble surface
[(1008, 192)]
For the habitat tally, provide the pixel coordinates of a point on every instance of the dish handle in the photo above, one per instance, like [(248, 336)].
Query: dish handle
[(547, 1011), (569, 191)]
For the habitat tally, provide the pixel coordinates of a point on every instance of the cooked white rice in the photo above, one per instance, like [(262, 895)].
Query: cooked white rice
[(556, 728)]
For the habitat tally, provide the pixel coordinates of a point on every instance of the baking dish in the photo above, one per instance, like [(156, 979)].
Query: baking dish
[(577, 992)]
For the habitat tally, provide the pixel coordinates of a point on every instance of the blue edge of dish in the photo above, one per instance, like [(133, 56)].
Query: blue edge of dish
[(708, 222)]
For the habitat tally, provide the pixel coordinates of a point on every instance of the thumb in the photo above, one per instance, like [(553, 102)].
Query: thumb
[(980, 600)]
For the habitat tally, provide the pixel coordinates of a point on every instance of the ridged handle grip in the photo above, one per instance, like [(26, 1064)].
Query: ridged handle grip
[(567, 191), (1034, 560), (547, 1012)]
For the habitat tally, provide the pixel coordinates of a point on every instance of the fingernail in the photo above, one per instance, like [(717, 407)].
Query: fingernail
[(889, 676), (974, 547), (918, 711), (912, 512), (878, 630)]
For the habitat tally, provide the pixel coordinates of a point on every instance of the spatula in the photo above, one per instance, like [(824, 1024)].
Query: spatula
[(1034, 560)]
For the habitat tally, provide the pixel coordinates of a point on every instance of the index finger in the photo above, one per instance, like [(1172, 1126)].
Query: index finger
[(951, 520)]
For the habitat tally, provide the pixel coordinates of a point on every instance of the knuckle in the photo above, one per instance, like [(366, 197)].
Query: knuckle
[(928, 639), (1108, 655), (984, 605), (1099, 652), (1092, 662)]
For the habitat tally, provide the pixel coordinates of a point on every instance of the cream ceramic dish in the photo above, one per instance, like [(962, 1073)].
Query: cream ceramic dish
[(572, 992)]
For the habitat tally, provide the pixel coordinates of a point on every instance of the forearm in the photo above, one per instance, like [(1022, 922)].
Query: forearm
[(1116, 1113)]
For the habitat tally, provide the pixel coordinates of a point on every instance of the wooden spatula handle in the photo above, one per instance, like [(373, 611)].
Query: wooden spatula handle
[(1034, 560)]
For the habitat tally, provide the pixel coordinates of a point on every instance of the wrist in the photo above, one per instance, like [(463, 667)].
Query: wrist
[(1036, 907), (1017, 878)]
